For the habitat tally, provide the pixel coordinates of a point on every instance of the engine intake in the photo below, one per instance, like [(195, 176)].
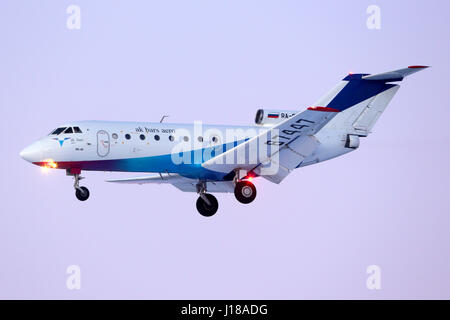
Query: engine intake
[(272, 116)]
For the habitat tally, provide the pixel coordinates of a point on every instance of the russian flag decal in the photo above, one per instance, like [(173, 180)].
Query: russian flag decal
[(273, 115)]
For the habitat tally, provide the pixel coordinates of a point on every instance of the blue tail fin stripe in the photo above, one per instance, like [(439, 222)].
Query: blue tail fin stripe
[(356, 91)]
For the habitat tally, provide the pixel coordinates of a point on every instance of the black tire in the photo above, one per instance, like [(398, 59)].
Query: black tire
[(82, 193), (207, 210), (245, 192)]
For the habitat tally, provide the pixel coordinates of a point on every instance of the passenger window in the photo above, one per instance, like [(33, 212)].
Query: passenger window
[(156, 137), (186, 138), (200, 139), (127, 136), (115, 136), (142, 137), (77, 130), (68, 130), (171, 138)]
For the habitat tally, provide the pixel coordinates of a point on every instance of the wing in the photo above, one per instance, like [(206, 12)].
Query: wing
[(180, 182), (275, 152)]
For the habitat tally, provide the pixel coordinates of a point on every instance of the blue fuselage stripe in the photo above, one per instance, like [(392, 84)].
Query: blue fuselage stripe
[(190, 167)]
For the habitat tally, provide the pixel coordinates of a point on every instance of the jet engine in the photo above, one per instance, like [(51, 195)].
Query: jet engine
[(272, 116)]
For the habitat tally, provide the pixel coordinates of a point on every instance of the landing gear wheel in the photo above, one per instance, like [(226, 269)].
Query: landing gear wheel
[(205, 209), (245, 192), (82, 193)]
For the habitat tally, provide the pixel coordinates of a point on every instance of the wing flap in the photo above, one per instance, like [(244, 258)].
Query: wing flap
[(295, 152), (290, 157)]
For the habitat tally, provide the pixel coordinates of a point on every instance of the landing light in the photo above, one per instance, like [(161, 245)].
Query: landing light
[(49, 164)]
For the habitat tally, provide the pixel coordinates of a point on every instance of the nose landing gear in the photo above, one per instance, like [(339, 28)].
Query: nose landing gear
[(82, 193)]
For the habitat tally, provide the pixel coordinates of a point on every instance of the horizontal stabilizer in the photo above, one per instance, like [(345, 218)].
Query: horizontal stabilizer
[(396, 75)]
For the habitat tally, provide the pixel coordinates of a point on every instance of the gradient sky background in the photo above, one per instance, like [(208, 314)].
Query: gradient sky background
[(313, 236)]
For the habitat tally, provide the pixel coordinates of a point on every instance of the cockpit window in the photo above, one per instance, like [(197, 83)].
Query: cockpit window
[(65, 130), (58, 131)]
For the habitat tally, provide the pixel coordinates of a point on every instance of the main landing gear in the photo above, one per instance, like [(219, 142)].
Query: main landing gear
[(245, 191), (82, 193), (207, 204)]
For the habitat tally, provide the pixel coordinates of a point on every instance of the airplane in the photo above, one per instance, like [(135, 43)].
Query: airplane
[(208, 159)]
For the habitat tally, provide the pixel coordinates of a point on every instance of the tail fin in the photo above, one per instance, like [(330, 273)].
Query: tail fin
[(363, 97), (356, 88)]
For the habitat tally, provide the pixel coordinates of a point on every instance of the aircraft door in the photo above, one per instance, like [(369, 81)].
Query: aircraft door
[(103, 143)]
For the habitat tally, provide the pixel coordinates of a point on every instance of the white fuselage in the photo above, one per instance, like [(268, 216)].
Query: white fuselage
[(153, 147)]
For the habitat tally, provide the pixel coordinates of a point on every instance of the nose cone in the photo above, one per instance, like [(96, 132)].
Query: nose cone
[(32, 153)]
